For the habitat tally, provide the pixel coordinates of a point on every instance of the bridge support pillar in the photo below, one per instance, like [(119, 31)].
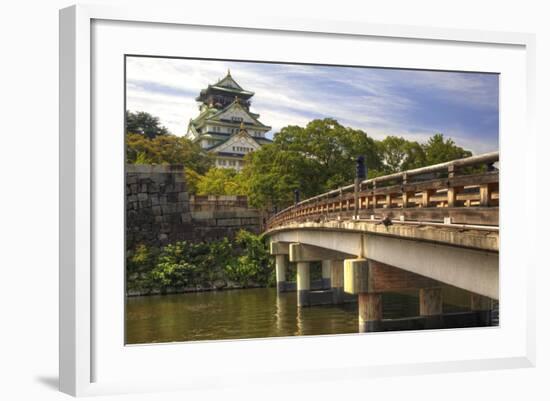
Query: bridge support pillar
[(337, 281), (370, 312), (280, 272), (482, 307), (356, 281), (431, 307), (303, 283), (326, 269)]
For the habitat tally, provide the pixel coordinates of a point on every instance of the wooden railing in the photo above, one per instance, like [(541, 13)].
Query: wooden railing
[(463, 191)]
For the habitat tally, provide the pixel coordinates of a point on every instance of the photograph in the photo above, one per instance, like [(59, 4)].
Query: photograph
[(269, 199)]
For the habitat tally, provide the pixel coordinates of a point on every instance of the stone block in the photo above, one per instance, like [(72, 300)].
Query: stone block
[(142, 196), (203, 215), (250, 220), (168, 208), (224, 214), (145, 204), (228, 222), (179, 186), (185, 218)]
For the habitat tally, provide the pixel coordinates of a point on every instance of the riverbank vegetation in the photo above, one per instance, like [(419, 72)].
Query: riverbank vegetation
[(185, 266), (312, 159)]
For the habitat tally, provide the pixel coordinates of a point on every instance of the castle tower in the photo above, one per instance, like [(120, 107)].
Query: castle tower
[(225, 125)]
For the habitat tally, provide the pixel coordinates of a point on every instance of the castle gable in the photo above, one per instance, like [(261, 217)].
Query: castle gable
[(241, 143), (235, 113)]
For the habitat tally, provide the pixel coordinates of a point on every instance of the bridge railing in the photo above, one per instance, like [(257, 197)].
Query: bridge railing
[(463, 191)]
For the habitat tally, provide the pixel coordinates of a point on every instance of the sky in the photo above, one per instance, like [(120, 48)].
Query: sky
[(414, 104)]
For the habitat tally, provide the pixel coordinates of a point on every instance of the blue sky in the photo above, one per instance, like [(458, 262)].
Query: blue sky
[(407, 103)]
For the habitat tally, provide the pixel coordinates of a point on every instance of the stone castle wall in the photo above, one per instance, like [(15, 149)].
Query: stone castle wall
[(160, 211), (215, 217), (157, 205)]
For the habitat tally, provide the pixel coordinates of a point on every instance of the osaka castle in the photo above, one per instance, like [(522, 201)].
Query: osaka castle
[(225, 126)]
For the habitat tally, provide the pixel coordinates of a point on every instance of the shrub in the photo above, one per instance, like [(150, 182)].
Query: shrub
[(245, 260)]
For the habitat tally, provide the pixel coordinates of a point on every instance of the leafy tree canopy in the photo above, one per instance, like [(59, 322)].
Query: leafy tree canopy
[(399, 154), (440, 150), (167, 149), (221, 181), (314, 158), (143, 123)]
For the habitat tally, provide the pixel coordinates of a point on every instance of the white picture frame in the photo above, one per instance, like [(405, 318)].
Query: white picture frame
[(82, 342)]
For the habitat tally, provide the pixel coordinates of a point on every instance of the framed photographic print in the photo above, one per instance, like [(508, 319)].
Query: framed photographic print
[(289, 196)]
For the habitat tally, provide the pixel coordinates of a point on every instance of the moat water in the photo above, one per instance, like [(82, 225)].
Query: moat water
[(255, 313)]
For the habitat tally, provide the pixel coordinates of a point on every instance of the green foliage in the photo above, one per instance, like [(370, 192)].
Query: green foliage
[(187, 264), (221, 181), (166, 149), (245, 261), (399, 154), (144, 124), (141, 259), (192, 179), (255, 263), (314, 159), (439, 150)]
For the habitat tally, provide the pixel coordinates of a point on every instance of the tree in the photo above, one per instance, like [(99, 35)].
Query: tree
[(313, 159), (439, 150), (332, 147), (398, 154), (221, 181), (167, 149), (145, 124), (192, 179), (271, 175)]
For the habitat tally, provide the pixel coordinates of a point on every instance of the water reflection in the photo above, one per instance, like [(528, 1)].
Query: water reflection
[(255, 313)]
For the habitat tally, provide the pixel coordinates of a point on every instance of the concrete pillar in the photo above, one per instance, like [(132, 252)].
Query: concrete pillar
[(482, 307), (326, 274), (370, 312), (303, 283), (280, 272), (431, 307), (337, 281), (356, 281)]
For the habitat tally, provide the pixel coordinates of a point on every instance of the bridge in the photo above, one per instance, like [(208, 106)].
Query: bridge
[(415, 230)]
